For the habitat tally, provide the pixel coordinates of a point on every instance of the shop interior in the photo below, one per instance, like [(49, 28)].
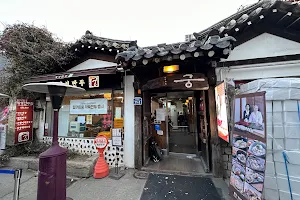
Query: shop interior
[(87, 125), (176, 125)]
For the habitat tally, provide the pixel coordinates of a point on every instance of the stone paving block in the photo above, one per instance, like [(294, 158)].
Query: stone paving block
[(278, 131), (292, 144), (271, 194), (270, 182), (285, 195), (294, 171), (282, 183), (270, 168), (290, 105), (292, 131), (269, 107), (291, 117), (277, 106)]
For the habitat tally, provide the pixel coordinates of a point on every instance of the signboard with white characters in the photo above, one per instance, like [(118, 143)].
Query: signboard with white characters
[(137, 101)]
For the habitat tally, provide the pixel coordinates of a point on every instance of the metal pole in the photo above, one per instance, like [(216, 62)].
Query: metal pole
[(17, 177)]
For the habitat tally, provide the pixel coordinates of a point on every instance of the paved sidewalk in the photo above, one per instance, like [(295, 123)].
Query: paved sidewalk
[(27, 189), (127, 188)]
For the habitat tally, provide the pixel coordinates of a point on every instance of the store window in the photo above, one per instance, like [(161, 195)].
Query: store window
[(88, 115)]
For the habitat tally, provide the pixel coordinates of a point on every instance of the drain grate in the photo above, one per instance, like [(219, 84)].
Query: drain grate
[(141, 174)]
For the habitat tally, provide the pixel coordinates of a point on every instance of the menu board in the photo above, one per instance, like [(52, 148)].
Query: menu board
[(248, 147), (24, 120)]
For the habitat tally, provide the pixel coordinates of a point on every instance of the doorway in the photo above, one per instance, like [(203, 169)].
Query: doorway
[(182, 128), (175, 126)]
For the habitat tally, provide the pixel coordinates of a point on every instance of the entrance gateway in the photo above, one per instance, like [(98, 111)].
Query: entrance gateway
[(166, 74), (178, 120)]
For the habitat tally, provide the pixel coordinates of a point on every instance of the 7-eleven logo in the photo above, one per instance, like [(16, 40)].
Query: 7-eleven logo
[(93, 81)]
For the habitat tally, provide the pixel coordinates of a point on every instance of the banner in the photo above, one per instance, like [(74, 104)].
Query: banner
[(88, 106), (248, 147), (222, 113), (24, 120)]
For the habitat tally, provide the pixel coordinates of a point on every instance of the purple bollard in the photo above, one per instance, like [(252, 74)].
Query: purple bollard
[(52, 163)]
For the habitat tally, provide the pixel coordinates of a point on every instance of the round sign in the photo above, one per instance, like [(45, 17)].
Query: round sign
[(101, 142)]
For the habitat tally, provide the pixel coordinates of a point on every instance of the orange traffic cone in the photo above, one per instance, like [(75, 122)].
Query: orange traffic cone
[(101, 169)]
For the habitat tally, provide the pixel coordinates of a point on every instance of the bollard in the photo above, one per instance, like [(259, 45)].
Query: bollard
[(17, 177)]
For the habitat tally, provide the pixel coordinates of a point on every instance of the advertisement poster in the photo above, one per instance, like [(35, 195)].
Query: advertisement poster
[(24, 120), (248, 147), (222, 114), (88, 106)]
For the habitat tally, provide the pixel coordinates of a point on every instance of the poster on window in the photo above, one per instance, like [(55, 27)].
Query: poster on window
[(88, 106), (24, 120), (248, 147), (222, 113)]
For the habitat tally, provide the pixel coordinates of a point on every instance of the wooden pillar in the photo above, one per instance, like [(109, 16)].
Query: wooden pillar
[(138, 137), (216, 154)]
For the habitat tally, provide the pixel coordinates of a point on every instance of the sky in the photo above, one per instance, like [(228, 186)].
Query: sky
[(149, 22)]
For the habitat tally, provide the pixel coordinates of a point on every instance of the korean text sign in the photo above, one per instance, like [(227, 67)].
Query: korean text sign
[(88, 106), (24, 120), (248, 147)]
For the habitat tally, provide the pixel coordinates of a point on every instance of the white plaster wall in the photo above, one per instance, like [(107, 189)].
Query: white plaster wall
[(129, 122), (264, 45), (258, 71)]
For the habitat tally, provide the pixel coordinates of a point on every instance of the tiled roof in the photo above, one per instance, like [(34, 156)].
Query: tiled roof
[(254, 14), (211, 45), (90, 41)]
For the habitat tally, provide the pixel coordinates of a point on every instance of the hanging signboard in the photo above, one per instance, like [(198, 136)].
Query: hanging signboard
[(24, 120), (88, 106), (248, 147)]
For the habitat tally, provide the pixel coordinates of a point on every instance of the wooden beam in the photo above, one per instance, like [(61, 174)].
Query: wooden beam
[(216, 154), (138, 121)]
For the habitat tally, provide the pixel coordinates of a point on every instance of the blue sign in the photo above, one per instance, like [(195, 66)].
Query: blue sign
[(137, 101), (157, 127)]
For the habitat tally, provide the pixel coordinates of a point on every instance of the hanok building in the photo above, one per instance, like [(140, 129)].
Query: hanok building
[(268, 47), (101, 108), (177, 85)]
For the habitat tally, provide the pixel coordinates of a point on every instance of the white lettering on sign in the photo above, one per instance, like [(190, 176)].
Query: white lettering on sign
[(63, 76), (189, 80), (137, 101), (100, 142)]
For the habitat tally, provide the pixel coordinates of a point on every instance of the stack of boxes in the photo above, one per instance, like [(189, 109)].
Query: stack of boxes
[(283, 134)]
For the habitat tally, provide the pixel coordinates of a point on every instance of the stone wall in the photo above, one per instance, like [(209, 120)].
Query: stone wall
[(227, 157), (85, 146)]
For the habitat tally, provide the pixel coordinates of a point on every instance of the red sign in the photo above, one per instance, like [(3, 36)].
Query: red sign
[(93, 81), (101, 142), (24, 120)]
